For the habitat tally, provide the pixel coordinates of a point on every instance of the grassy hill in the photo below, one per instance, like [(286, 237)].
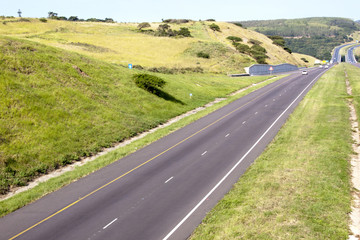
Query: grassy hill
[(58, 106), (312, 36), (122, 43)]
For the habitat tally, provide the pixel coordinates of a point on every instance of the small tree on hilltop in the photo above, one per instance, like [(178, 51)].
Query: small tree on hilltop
[(143, 25), (215, 27)]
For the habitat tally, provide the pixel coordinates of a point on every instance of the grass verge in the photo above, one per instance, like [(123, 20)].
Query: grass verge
[(299, 188), (21, 199)]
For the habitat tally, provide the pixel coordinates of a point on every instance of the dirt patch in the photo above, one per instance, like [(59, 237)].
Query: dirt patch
[(81, 72), (355, 168), (83, 161)]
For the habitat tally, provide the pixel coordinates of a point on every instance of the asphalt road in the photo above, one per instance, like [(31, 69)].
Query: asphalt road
[(164, 190), (336, 57), (350, 58)]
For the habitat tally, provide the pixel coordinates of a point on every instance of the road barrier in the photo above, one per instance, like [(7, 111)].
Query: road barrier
[(265, 69)]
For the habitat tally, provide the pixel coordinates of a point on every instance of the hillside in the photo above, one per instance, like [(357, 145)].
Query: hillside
[(58, 106), (123, 43), (312, 36)]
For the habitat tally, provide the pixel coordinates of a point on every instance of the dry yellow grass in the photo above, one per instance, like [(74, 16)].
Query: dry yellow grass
[(121, 43), (311, 59)]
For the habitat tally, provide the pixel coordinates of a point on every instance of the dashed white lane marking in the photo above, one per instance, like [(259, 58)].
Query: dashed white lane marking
[(273, 100), (227, 135), (266, 105), (203, 153), (110, 223), (169, 179), (256, 113), (244, 122)]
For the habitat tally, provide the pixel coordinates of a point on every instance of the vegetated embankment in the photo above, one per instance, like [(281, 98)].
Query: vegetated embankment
[(57, 106)]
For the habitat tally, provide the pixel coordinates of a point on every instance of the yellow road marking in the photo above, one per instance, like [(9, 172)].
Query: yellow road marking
[(165, 151)]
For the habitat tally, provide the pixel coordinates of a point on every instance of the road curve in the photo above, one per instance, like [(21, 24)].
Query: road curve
[(164, 190), (336, 57)]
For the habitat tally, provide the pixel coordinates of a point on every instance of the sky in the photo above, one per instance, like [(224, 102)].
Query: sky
[(156, 10)]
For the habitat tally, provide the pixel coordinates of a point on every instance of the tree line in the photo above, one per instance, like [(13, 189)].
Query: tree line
[(53, 15)]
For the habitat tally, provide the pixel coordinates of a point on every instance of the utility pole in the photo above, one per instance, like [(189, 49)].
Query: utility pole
[(19, 12)]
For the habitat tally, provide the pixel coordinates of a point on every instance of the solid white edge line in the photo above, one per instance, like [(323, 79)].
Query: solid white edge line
[(233, 168), (110, 223)]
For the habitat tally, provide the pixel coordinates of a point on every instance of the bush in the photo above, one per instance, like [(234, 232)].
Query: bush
[(44, 20), (238, 24), (258, 48), (242, 48), (203, 55), (183, 32), (255, 42), (288, 50), (214, 27), (234, 39), (148, 82), (305, 60)]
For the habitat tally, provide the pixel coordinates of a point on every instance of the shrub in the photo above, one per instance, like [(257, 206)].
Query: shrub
[(44, 20), (288, 50), (305, 60), (238, 24), (234, 39), (183, 32), (242, 48), (214, 27), (255, 42), (148, 82), (258, 48), (203, 55), (210, 20)]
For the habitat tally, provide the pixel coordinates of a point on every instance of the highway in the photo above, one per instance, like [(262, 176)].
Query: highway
[(350, 58), (336, 57), (164, 190)]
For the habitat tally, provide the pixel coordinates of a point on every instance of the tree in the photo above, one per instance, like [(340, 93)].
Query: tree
[(73, 18), (143, 25), (234, 39), (214, 27), (52, 15)]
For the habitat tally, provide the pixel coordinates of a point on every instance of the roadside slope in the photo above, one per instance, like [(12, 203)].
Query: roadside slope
[(59, 106)]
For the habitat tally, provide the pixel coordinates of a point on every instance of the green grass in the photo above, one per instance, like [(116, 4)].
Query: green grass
[(299, 188), (57, 106)]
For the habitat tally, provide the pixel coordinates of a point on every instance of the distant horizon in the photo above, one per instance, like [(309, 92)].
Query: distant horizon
[(355, 20), (154, 11)]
